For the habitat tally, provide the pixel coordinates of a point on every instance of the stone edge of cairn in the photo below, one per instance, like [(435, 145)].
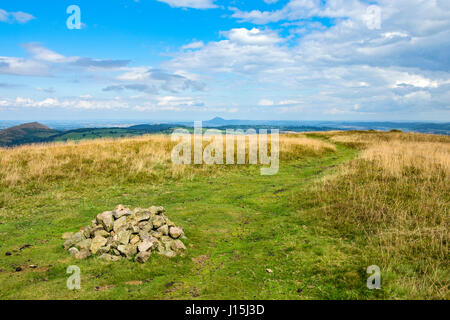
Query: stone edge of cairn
[(124, 233)]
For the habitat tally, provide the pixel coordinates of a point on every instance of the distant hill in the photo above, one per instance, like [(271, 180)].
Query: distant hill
[(114, 132), (35, 132), (32, 132)]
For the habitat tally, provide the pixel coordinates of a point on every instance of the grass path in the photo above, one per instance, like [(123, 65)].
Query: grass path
[(238, 225)]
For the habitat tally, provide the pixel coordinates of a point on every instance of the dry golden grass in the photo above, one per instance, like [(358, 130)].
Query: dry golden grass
[(397, 158), (398, 192), (363, 139), (124, 159)]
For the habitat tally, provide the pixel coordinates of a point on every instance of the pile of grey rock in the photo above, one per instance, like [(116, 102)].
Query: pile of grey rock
[(124, 233)]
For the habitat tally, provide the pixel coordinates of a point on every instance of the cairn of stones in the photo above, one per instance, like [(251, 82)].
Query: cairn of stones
[(124, 233)]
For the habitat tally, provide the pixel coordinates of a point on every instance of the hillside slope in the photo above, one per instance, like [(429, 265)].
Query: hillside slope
[(25, 133)]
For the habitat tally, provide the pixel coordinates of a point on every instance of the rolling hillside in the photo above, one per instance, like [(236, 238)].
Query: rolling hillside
[(25, 133), (342, 201)]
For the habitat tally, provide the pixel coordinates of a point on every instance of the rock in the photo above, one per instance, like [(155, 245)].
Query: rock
[(175, 232), (143, 216), (120, 224), (142, 257), (102, 233), (166, 245), (123, 236), (153, 210), (86, 231), (121, 211), (104, 250), (170, 223), (160, 210), (164, 230), (96, 229), (73, 251), (18, 269), (85, 244), (166, 239), (135, 229), (83, 254), (7, 253), (74, 239), (109, 257), (134, 239), (147, 244), (156, 234), (169, 253), (144, 234), (106, 219), (146, 226), (113, 244), (67, 235), (178, 246), (269, 270), (157, 221), (128, 250), (127, 233), (97, 243)]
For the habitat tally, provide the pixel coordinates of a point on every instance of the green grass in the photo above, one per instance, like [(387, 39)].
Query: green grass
[(238, 225)]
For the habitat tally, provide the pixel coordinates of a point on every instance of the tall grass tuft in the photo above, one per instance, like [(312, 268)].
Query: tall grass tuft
[(398, 194)]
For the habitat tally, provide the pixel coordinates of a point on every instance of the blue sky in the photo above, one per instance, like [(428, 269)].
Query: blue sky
[(196, 59)]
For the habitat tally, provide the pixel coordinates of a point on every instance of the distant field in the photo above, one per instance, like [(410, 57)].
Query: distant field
[(342, 201)]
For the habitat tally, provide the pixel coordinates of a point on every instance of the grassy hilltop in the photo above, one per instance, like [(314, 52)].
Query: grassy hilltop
[(342, 201)]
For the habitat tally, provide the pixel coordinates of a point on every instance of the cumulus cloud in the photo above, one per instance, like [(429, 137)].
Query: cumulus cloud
[(335, 58), (355, 61), (253, 37), (196, 4), (244, 51)]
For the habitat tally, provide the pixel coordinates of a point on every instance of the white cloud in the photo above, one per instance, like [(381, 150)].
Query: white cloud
[(358, 65), (288, 102), (177, 101), (163, 80), (265, 103), (85, 103), (333, 69), (3, 15), (44, 54), (19, 16), (196, 4), (193, 45), (253, 36), (23, 67), (22, 17), (43, 62), (245, 51)]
